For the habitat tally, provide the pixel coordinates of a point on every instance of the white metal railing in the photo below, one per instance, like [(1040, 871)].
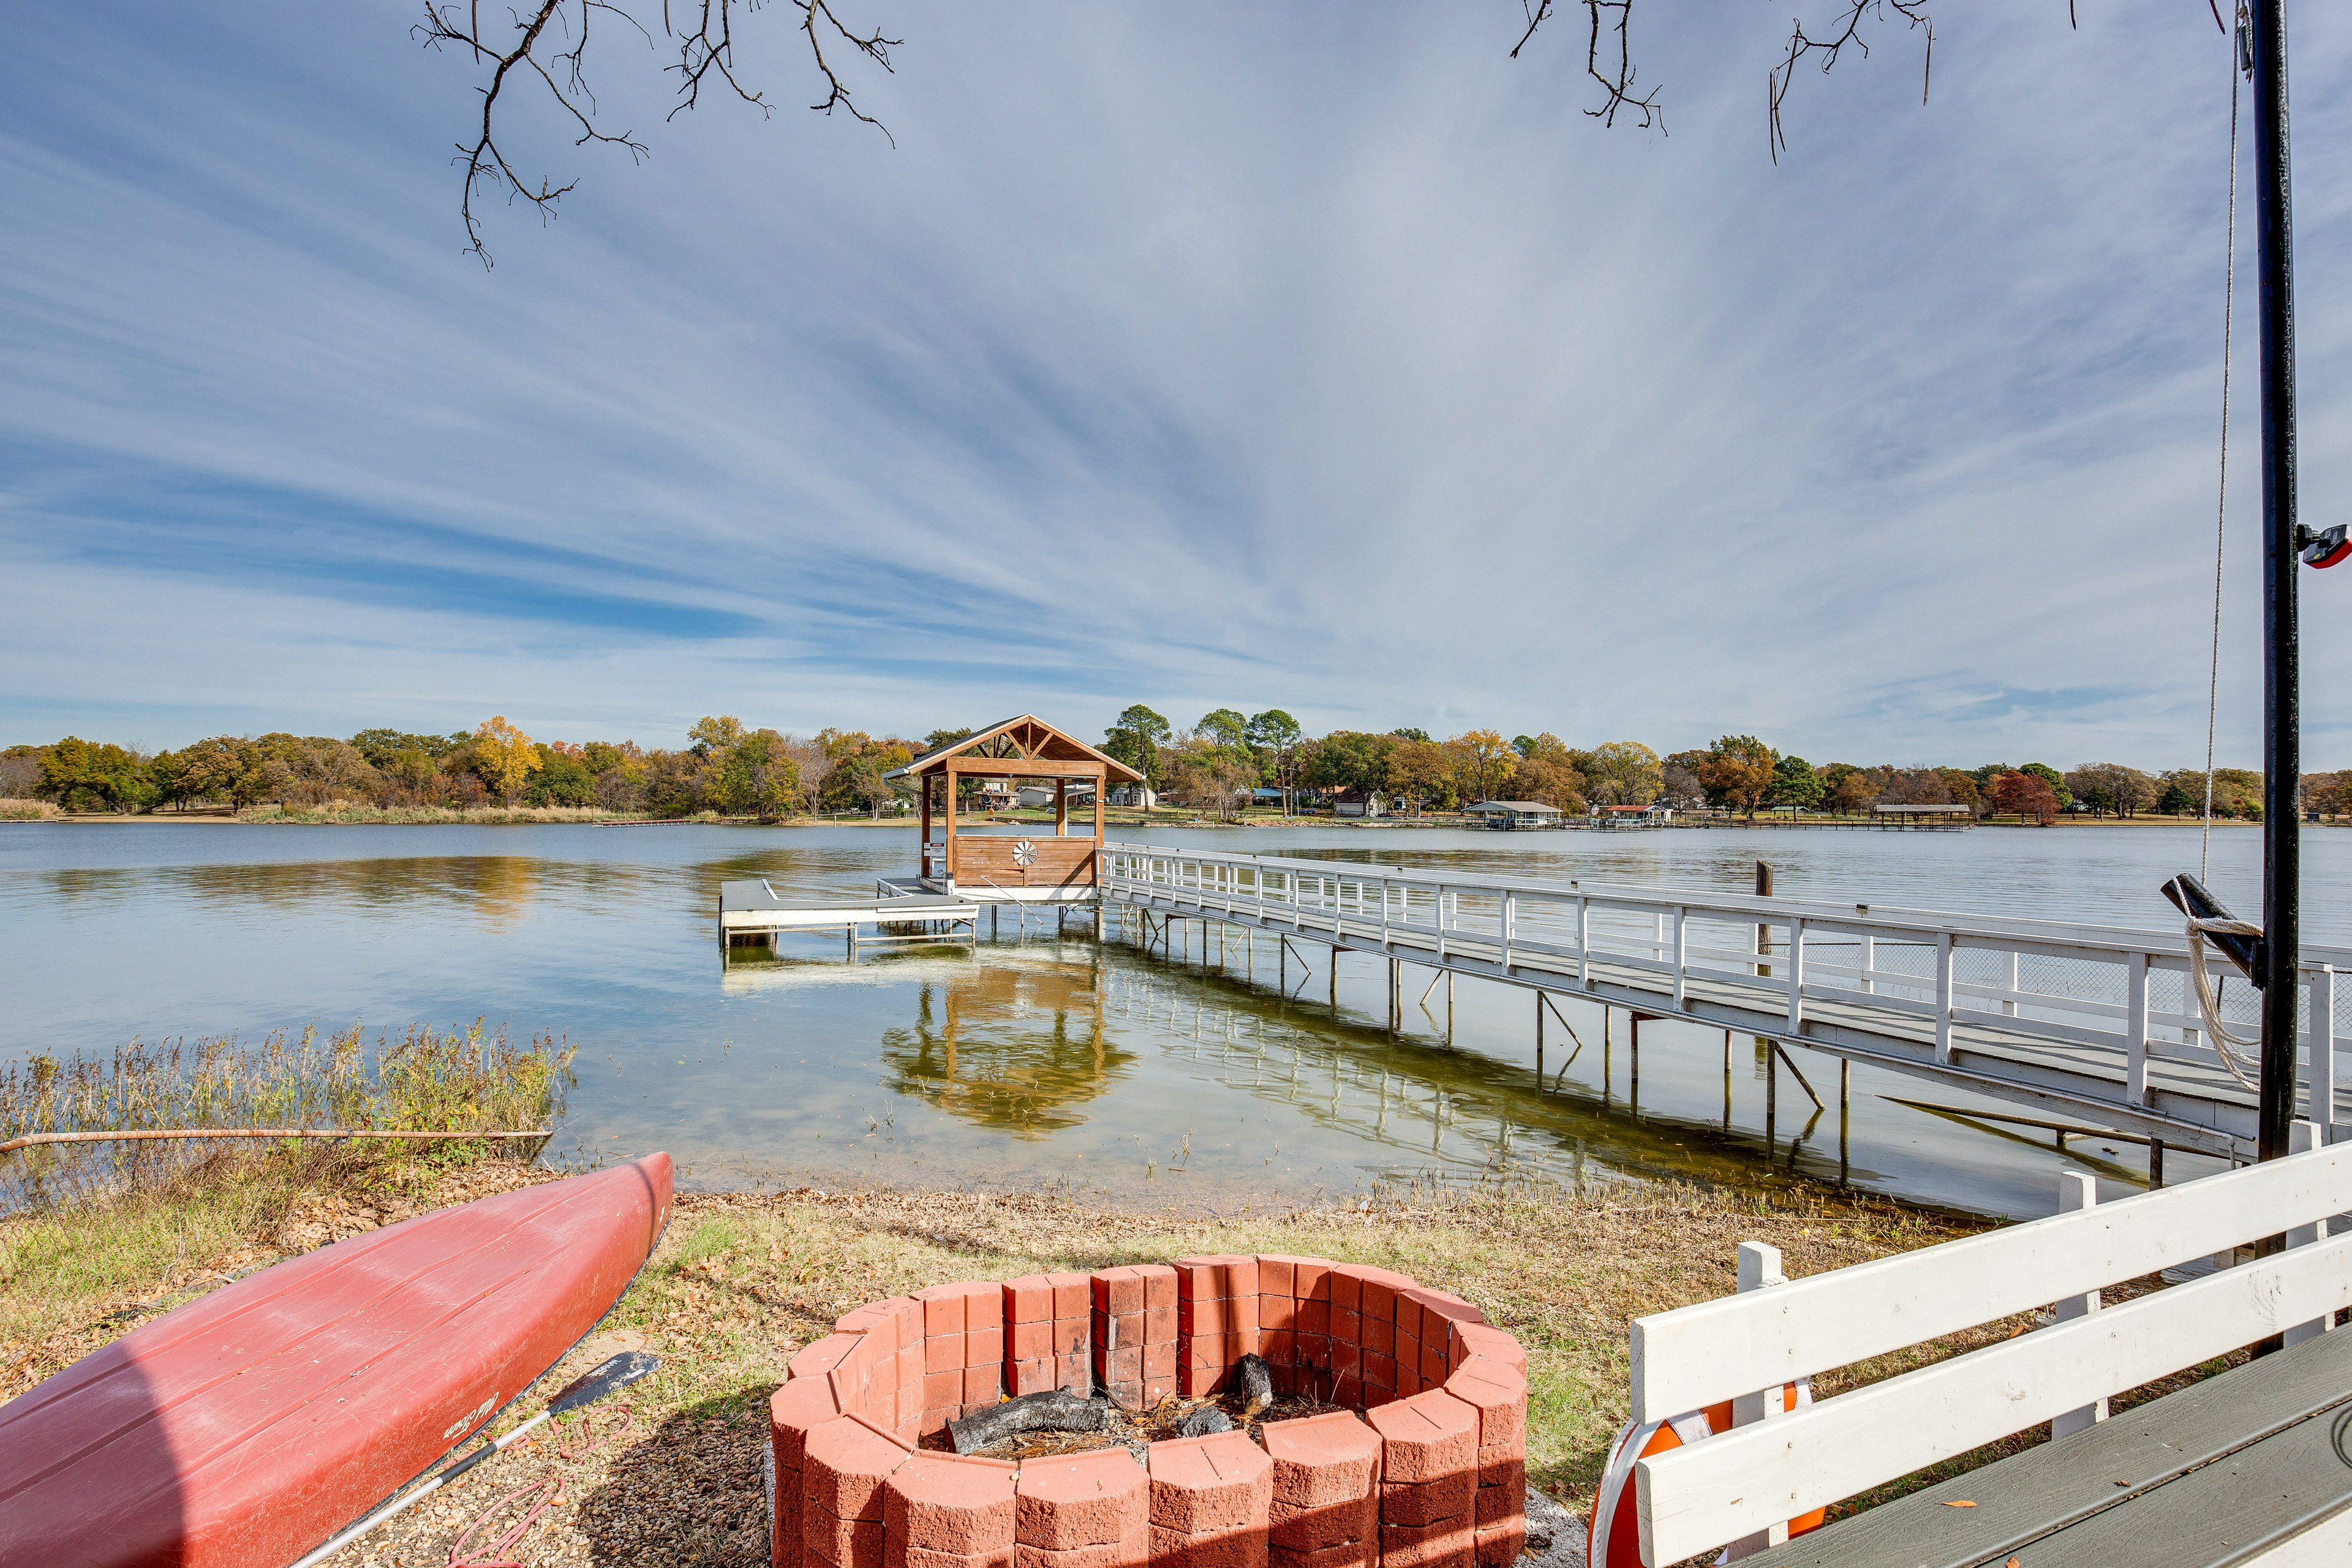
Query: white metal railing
[(1776, 1464), (2101, 986)]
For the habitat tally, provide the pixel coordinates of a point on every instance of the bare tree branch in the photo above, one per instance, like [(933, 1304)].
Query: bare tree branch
[(1848, 31), (537, 35), (1617, 80), (1614, 18)]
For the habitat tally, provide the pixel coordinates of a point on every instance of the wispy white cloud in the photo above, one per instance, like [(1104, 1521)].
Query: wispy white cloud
[(1197, 357)]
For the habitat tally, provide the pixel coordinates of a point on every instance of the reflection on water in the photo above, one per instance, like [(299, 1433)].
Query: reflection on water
[(1032, 1058), (1018, 1050)]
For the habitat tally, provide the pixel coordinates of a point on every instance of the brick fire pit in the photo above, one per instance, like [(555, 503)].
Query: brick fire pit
[(1424, 1467)]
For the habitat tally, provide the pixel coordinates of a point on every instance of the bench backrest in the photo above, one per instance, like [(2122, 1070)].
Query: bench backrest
[(1730, 1487)]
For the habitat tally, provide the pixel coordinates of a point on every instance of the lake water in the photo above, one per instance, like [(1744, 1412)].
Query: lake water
[(1038, 1058)]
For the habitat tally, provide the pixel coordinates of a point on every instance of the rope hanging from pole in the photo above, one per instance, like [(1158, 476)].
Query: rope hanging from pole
[(2232, 1049), (2241, 62)]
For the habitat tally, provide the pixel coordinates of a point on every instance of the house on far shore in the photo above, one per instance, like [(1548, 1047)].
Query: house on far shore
[(1509, 813), (1135, 795), (1632, 817), (1354, 802), (1032, 796)]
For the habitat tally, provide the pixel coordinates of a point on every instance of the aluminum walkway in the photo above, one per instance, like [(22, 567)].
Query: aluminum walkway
[(2095, 1021)]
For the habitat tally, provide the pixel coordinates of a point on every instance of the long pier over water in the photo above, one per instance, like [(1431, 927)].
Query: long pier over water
[(2095, 1022)]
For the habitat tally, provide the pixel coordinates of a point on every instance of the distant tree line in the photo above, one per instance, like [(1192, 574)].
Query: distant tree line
[(723, 768), (1223, 764)]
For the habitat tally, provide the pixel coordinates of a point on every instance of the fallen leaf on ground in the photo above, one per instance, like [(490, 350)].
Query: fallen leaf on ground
[(1959, 1505)]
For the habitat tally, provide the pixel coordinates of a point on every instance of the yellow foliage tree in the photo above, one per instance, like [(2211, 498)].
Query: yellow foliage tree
[(505, 758)]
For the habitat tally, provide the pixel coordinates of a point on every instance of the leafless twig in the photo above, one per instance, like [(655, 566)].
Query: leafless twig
[(534, 45), (1613, 18), (1616, 81), (1848, 30)]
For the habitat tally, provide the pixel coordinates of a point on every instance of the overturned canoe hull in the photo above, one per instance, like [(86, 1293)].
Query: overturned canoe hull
[(243, 1429)]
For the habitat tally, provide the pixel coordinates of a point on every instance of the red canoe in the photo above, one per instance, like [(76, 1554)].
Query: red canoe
[(243, 1429)]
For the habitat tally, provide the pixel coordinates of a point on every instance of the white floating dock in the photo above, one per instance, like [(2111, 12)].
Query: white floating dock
[(752, 907)]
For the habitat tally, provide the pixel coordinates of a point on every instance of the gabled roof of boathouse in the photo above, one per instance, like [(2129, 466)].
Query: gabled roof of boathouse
[(1013, 741)]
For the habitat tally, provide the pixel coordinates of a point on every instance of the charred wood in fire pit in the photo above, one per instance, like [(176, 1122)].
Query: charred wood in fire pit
[(1257, 1384), (1055, 1410), (1200, 1423)]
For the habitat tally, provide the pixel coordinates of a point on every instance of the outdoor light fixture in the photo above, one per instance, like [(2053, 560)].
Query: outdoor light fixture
[(2323, 549)]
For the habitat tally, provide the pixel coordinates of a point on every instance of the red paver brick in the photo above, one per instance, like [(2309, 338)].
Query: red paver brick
[(1322, 1461), (983, 1347), (1072, 1294), (821, 1356), (1312, 1318), (943, 1389), (981, 1386), (794, 1410), (1430, 1503), (1376, 1335), (1426, 1438), (1311, 1280), (1276, 1314), (943, 1352), (1032, 1341), (1347, 1554), (1029, 1299), (1408, 1313), (1116, 1292), (1240, 1276), (1130, 1554), (943, 1309), (1379, 1290), (1326, 1525), (1195, 1316), (1069, 1501), (1466, 1340), (1197, 1278), (897, 1553), (1503, 1466), (1505, 1501), (1275, 1346), (1346, 1324), (1216, 1483), (844, 1542), (1030, 1376), (1159, 1324), (1229, 1549), (844, 1463), (1449, 1545), (1159, 1286), (1499, 1395), (1499, 1545), (1276, 1271), (943, 1502), (1346, 1284)]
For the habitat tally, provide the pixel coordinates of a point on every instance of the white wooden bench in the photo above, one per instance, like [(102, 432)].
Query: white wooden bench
[(1736, 1489)]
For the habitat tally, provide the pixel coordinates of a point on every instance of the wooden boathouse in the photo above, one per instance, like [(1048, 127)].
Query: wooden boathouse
[(1002, 864)]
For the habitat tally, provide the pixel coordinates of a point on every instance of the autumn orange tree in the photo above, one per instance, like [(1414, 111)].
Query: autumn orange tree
[(2026, 796), (1739, 770), (1484, 761)]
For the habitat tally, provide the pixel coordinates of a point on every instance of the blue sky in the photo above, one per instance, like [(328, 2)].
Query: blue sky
[(1313, 357)]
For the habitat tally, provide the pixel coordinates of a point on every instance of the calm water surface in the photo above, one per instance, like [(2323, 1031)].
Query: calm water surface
[(1039, 1059)]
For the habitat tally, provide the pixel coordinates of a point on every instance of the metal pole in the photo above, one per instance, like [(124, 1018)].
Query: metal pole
[(2282, 750)]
